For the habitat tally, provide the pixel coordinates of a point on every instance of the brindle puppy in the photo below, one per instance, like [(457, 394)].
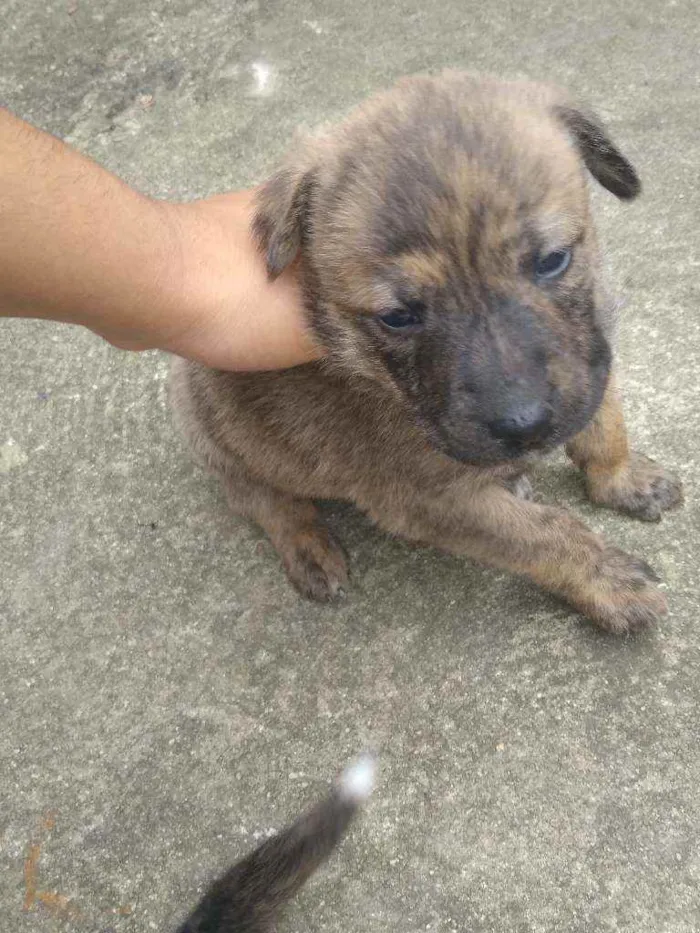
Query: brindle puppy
[(450, 269)]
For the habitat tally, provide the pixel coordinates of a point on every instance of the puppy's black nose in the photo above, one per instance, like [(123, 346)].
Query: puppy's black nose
[(523, 422)]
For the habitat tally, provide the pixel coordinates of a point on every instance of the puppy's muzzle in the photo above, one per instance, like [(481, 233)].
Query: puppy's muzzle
[(523, 423)]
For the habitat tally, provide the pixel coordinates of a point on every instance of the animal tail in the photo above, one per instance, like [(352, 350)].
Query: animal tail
[(248, 897)]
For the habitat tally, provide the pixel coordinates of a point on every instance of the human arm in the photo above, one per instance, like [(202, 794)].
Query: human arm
[(80, 246)]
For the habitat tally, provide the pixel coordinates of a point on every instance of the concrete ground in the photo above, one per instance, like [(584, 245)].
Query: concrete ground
[(167, 699)]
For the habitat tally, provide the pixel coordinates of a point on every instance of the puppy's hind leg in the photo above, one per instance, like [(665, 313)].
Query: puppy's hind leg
[(314, 561)]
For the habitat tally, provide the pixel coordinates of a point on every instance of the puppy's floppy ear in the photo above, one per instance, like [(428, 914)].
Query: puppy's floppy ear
[(602, 158), (281, 216)]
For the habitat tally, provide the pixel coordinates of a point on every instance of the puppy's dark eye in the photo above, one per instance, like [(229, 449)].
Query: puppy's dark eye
[(552, 265), (400, 319)]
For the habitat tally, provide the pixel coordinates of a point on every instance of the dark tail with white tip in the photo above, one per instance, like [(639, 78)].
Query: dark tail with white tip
[(248, 897)]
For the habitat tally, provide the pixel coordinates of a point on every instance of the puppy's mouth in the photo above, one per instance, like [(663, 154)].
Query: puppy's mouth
[(484, 450), (487, 451), (533, 428)]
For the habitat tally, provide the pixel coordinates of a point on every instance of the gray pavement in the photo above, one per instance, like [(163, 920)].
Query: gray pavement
[(167, 699)]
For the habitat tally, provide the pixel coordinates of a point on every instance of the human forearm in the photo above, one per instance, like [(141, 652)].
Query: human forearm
[(80, 246), (76, 243)]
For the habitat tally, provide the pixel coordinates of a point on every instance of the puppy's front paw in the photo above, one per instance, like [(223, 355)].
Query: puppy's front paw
[(315, 564), (643, 489), (622, 596)]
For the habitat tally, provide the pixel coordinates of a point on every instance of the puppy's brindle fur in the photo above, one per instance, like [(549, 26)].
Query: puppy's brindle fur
[(437, 197)]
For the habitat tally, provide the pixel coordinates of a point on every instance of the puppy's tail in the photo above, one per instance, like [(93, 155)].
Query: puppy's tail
[(248, 897)]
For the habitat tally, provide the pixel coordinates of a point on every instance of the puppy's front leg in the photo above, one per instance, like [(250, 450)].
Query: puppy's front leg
[(491, 525), (615, 476)]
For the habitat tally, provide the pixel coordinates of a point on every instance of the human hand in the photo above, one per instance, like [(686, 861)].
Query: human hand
[(224, 311), (79, 246)]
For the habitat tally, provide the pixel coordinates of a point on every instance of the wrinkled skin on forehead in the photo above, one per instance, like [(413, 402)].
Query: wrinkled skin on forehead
[(439, 196)]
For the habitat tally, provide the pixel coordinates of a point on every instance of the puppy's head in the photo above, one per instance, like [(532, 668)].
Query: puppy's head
[(448, 254)]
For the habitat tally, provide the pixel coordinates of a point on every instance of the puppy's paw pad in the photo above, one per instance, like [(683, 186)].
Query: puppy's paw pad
[(645, 489), (623, 596), (316, 566)]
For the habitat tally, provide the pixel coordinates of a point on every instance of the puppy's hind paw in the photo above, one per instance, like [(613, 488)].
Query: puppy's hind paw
[(315, 564)]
